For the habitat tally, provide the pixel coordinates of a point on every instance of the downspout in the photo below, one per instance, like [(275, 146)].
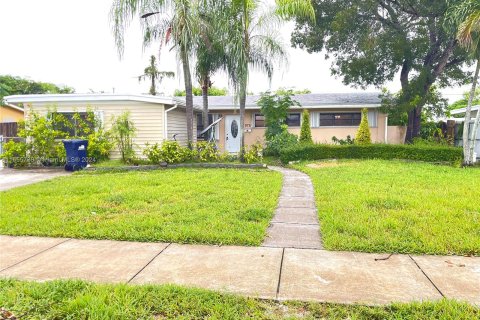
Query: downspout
[(165, 122), (386, 129)]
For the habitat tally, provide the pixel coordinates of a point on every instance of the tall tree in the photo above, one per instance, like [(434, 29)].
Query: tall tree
[(252, 41), (373, 41), (170, 21), (153, 74), (209, 49), (465, 15)]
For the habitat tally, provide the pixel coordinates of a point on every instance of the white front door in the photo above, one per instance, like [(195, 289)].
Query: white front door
[(232, 133)]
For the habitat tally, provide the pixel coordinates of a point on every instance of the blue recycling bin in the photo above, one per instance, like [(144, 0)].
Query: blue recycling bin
[(76, 154)]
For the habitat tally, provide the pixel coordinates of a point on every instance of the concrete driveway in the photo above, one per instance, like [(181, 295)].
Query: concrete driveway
[(11, 178)]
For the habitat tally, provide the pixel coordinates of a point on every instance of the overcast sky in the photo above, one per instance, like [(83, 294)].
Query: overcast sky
[(70, 42)]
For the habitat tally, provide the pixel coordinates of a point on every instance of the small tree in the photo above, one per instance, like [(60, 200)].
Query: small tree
[(123, 131), (305, 131), (275, 109), (363, 133)]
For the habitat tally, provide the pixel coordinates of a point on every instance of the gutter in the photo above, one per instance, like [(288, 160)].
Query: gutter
[(165, 121), (14, 106)]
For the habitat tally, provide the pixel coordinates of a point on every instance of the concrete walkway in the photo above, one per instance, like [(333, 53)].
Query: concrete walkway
[(273, 273), (295, 224), (12, 178)]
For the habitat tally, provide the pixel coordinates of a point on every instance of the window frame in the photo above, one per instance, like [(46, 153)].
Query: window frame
[(255, 114), (337, 113)]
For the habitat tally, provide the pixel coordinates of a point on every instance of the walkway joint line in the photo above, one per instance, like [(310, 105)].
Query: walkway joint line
[(280, 275), (425, 274), (148, 263), (36, 254)]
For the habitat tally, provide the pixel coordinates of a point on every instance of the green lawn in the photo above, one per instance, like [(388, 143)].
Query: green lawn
[(396, 206), (82, 300), (218, 206)]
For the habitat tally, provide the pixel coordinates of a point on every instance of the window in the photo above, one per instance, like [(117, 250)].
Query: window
[(211, 118), (74, 125), (293, 120), (259, 120), (340, 119)]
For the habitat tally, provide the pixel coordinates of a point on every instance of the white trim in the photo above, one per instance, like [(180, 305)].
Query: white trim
[(463, 110), (14, 107), (55, 98)]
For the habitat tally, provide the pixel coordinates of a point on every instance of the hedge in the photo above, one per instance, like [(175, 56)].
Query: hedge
[(373, 151)]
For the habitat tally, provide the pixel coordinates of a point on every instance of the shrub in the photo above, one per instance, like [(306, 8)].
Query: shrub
[(343, 142), (123, 131), (15, 154), (372, 151), (363, 133), (169, 152), (253, 153), (305, 131), (275, 109), (205, 152), (281, 141)]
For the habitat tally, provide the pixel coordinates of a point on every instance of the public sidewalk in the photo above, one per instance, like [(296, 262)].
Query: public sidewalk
[(266, 272)]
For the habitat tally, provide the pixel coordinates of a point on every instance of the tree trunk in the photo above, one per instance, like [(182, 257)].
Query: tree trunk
[(243, 99), (205, 86), (188, 93), (469, 146), (414, 120), (153, 92)]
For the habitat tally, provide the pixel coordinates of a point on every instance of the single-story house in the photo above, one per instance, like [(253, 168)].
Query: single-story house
[(10, 113), (155, 118), (331, 115)]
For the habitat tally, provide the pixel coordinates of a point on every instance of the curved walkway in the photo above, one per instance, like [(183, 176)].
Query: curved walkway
[(295, 224)]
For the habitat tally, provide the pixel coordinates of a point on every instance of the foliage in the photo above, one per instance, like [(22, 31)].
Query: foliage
[(372, 42), (173, 205), (197, 91), (305, 131), (343, 142), (275, 108), (283, 90), (254, 153), (372, 151), (75, 299), (40, 139), (153, 74), (173, 152), (206, 152), (283, 140), (123, 132), (434, 106), (363, 133), (462, 103), (10, 85)]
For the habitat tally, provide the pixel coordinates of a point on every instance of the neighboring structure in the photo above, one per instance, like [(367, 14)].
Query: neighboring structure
[(10, 113), (458, 134), (156, 118), (331, 115)]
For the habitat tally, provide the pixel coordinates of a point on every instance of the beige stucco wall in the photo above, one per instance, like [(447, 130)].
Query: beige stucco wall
[(147, 117), (319, 135), (396, 134), (8, 114)]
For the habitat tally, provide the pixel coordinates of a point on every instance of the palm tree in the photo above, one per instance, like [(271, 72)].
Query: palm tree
[(170, 21), (153, 74), (253, 42), (465, 16), (209, 49)]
